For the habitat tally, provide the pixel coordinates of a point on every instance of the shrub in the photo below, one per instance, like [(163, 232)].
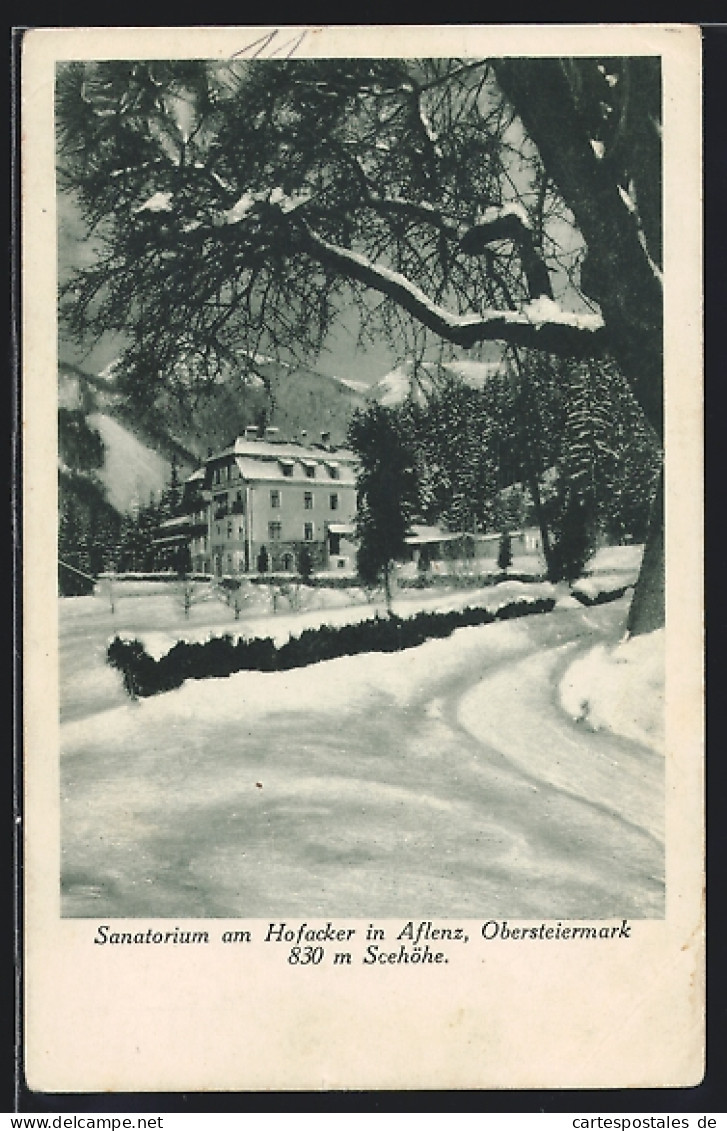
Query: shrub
[(305, 563), (600, 598), (222, 655), (525, 608), (504, 553)]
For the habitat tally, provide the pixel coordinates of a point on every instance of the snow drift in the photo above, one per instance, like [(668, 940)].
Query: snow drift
[(620, 689)]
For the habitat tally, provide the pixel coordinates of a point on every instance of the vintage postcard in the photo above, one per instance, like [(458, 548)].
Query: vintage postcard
[(362, 532)]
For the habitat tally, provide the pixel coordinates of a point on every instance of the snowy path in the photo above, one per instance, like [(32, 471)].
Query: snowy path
[(442, 782)]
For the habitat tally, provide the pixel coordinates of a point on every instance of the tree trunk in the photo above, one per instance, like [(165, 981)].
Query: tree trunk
[(648, 610), (540, 519), (387, 588), (618, 272), (533, 463)]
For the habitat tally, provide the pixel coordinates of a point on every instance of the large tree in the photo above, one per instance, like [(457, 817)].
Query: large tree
[(240, 207)]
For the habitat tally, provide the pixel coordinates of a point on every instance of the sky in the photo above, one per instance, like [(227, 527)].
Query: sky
[(343, 357)]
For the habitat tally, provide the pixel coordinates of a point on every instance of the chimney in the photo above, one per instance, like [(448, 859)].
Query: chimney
[(251, 432), (272, 434), (325, 439)]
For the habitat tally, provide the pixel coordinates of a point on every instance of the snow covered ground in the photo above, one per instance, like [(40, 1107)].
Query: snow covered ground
[(617, 687), (616, 559), (443, 780), (620, 689), (338, 607), (156, 618)]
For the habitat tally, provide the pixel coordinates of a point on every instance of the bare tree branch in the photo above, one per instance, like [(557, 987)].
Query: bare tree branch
[(540, 325)]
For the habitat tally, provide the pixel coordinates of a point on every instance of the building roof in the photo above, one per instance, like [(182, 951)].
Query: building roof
[(176, 523), (288, 449), (173, 529), (429, 535), (273, 469), (265, 459)]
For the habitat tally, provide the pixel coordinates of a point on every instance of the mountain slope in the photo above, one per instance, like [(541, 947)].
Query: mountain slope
[(301, 402), (140, 447)]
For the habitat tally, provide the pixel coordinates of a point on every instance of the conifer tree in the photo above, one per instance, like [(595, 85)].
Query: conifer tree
[(387, 492)]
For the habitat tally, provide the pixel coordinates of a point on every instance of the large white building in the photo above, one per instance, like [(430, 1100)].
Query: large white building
[(262, 502)]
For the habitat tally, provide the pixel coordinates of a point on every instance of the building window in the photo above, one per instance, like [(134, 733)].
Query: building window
[(308, 500), (334, 501), (308, 531), (275, 499), (229, 529), (274, 531), (310, 470), (287, 470), (333, 471)]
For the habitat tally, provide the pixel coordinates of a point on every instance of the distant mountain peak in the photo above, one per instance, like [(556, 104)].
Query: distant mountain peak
[(409, 380)]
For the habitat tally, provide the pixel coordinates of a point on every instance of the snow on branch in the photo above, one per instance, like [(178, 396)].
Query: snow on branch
[(540, 324), (514, 210), (510, 222), (430, 132), (159, 202)]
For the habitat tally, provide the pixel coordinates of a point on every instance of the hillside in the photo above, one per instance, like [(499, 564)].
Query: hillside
[(138, 448)]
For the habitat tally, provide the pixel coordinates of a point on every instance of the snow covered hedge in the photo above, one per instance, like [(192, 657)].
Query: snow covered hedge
[(598, 590), (221, 656)]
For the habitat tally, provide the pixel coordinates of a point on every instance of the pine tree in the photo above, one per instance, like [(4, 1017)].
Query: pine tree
[(387, 492), (171, 495), (456, 471), (504, 554), (305, 563)]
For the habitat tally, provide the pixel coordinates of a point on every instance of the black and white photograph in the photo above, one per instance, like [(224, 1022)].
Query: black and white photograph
[(362, 474)]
